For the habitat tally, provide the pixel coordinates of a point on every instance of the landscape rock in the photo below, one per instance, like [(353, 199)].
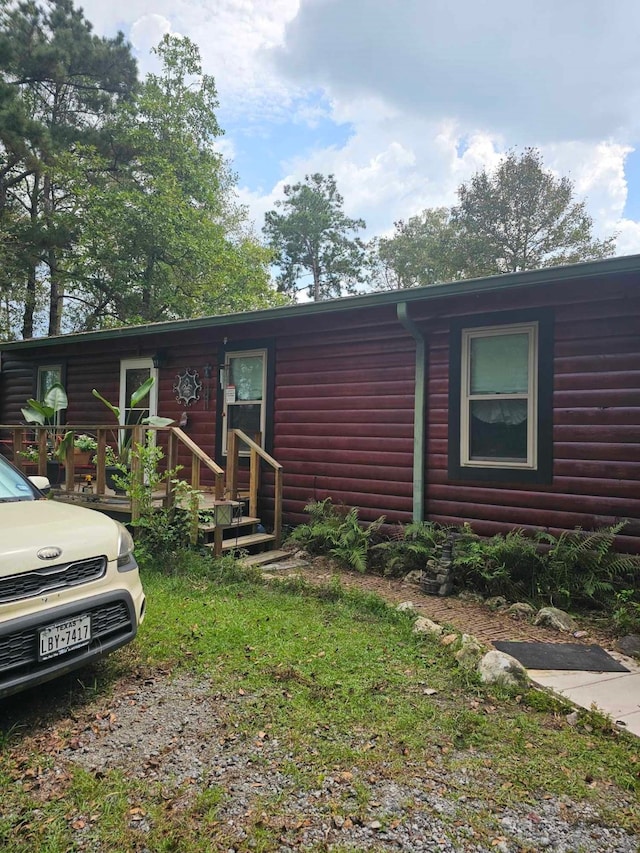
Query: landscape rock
[(470, 652), (405, 606), (498, 668), (413, 577), (521, 610), (497, 602), (553, 617), (467, 595), (422, 625), (630, 645)]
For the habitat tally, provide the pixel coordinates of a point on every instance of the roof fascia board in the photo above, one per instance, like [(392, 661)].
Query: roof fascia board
[(548, 275)]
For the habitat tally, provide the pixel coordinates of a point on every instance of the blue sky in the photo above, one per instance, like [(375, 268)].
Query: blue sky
[(404, 101)]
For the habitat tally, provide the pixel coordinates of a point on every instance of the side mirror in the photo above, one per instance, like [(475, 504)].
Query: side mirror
[(41, 483)]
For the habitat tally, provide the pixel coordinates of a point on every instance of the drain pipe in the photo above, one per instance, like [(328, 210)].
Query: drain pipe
[(419, 409)]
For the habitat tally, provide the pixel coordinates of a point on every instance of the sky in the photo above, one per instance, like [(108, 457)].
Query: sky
[(403, 101)]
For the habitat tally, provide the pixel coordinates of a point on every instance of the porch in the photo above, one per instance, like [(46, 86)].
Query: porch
[(228, 501)]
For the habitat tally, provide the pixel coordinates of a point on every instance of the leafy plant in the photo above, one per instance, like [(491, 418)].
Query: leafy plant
[(85, 443), (583, 568), (626, 613), (506, 565), (332, 530), (160, 530), (411, 548), (137, 397), (31, 454), (43, 412)]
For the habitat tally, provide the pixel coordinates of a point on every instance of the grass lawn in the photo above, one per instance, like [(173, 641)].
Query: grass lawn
[(343, 688)]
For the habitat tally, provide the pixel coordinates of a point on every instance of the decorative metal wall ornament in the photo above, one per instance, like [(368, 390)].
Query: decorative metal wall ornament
[(187, 387)]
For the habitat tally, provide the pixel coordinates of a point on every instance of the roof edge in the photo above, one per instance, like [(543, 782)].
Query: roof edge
[(527, 278)]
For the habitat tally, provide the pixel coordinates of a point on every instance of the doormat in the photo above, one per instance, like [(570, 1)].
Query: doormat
[(561, 656)]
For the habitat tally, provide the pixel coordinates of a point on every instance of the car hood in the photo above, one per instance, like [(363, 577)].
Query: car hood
[(27, 527)]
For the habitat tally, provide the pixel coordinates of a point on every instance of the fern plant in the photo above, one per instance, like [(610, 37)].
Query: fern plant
[(411, 548), (336, 531), (583, 568)]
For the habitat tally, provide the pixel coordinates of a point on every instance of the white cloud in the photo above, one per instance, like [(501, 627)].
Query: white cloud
[(430, 90)]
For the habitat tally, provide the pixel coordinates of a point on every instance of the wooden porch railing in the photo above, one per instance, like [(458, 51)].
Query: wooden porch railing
[(45, 438), (198, 458), (235, 438)]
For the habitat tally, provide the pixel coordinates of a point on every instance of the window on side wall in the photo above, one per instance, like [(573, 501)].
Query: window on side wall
[(500, 402), (49, 375)]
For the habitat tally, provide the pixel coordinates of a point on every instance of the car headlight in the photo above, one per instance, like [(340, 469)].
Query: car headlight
[(126, 561)]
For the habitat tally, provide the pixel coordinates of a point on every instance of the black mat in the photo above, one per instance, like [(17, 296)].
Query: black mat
[(561, 656)]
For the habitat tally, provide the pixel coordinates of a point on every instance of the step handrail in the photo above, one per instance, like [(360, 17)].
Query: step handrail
[(234, 438), (198, 458)]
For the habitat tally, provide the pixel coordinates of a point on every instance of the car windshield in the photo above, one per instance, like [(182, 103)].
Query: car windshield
[(13, 486)]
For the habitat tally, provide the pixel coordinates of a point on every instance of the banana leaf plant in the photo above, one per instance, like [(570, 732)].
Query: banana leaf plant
[(124, 444), (43, 412)]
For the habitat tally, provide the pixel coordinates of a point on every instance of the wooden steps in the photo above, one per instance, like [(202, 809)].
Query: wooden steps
[(241, 543), (264, 557)]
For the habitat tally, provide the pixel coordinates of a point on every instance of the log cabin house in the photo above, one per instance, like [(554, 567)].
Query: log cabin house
[(508, 401)]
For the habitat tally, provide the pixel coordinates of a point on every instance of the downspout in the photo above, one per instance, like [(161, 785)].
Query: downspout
[(419, 410)]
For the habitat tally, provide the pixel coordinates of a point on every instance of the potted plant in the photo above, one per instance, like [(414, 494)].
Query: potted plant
[(84, 447), (117, 462)]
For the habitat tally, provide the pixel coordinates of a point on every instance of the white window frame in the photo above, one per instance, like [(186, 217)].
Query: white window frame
[(132, 364), (263, 408), (531, 396), (42, 368)]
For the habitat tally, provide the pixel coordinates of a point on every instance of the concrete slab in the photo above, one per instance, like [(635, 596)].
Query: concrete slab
[(616, 694)]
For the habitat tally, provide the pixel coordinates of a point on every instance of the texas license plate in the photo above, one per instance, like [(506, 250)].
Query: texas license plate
[(64, 636)]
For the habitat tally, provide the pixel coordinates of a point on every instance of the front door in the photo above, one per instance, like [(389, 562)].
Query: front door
[(245, 387)]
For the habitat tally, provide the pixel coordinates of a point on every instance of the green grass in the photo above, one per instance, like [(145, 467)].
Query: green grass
[(339, 680)]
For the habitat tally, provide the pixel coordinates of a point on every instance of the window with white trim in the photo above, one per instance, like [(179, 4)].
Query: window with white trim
[(49, 375), (498, 397)]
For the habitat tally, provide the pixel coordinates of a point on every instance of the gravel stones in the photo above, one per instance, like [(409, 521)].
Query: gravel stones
[(176, 733)]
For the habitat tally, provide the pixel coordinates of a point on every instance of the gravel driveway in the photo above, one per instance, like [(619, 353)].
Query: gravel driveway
[(173, 732)]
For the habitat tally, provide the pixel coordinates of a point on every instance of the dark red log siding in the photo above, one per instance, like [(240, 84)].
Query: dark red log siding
[(596, 424), (343, 407), (344, 416)]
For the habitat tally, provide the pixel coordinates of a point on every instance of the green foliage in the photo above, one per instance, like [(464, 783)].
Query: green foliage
[(583, 568), (518, 217), (137, 396), (160, 531), (311, 237), (574, 569), (332, 530), (626, 614), (522, 217), (58, 85), (423, 250), (502, 565), (44, 412), (410, 549)]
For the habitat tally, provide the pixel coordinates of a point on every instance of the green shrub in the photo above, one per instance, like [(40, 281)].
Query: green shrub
[(505, 565), (582, 569), (410, 548), (335, 531)]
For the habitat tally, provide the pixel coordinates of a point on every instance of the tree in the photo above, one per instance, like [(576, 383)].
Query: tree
[(163, 237), (58, 81), (519, 217), (523, 217), (424, 250), (311, 236)]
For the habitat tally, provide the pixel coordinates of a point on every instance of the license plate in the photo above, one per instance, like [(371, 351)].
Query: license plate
[(64, 636)]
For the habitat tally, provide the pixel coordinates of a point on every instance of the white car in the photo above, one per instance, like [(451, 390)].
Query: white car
[(70, 589)]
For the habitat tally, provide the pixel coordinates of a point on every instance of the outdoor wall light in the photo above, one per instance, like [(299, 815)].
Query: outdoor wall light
[(159, 358)]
